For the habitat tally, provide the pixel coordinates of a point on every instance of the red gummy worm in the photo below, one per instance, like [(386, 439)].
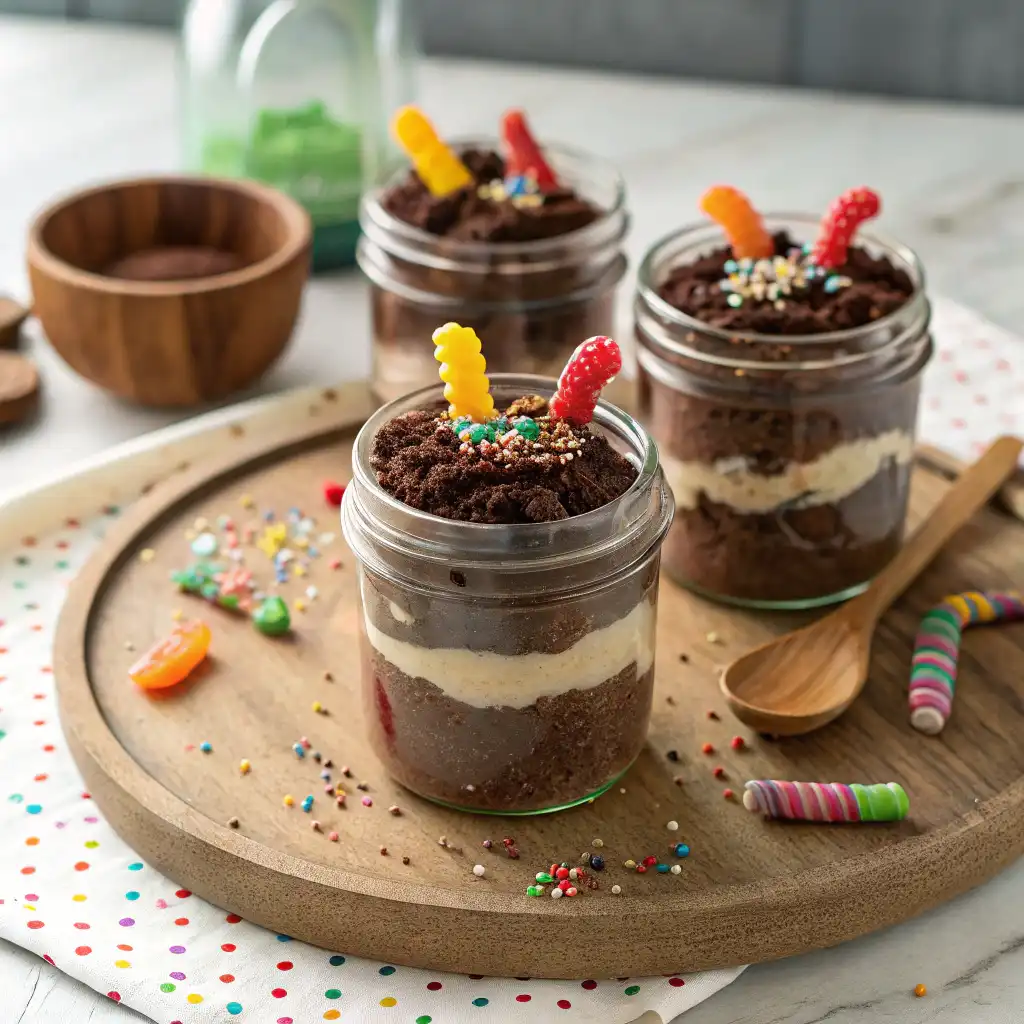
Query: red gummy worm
[(840, 223), (590, 369), (523, 155)]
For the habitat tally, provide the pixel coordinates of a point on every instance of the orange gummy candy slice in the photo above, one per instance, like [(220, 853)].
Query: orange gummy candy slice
[(742, 224), (171, 660)]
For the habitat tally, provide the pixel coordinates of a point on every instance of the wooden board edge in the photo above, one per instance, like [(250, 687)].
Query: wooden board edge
[(1009, 497)]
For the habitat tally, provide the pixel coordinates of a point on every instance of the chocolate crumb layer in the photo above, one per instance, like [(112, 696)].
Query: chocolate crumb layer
[(468, 216), (876, 287), (556, 751), (516, 469)]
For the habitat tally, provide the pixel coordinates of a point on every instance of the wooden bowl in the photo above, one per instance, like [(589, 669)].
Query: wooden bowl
[(170, 291)]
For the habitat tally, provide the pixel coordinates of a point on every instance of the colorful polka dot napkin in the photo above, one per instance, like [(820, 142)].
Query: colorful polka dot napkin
[(74, 893)]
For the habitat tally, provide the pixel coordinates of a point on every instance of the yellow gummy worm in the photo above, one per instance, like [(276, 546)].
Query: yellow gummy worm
[(463, 370), (436, 164)]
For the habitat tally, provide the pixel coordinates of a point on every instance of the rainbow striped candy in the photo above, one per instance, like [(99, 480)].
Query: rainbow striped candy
[(937, 649), (826, 801)]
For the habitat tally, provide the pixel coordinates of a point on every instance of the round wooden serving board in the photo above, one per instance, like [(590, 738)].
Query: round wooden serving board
[(750, 890)]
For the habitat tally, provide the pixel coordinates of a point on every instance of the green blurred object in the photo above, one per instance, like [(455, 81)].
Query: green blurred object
[(297, 94)]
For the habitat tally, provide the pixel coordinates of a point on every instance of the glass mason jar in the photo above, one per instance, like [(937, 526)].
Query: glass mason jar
[(296, 94), (789, 456), (531, 303), (508, 669)]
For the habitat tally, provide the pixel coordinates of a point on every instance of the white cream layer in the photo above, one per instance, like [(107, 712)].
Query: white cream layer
[(484, 679), (829, 478)]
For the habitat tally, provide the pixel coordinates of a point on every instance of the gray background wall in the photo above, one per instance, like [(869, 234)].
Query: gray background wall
[(949, 49)]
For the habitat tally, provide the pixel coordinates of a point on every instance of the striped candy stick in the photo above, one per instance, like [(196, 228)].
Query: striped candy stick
[(933, 669), (826, 801)]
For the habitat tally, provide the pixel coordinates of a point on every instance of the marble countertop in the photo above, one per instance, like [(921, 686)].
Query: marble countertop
[(82, 103)]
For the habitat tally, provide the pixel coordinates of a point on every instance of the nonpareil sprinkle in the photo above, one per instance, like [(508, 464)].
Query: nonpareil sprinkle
[(672, 826), (728, 794), (682, 850), (333, 836), (487, 844), (737, 743), (479, 870), (367, 801), (920, 990), (676, 869), (707, 748), (616, 889), (288, 801), (718, 772), (597, 843), (206, 747), (232, 823), (395, 811), (244, 766), (307, 804)]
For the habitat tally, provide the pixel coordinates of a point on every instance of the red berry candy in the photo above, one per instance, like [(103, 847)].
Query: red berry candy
[(719, 772), (737, 743), (707, 749), (564, 884), (840, 224), (650, 861), (728, 794), (590, 369), (333, 493), (641, 869), (522, 154), (561, 873), (553, 870)]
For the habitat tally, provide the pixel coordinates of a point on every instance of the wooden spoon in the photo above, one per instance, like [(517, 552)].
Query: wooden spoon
[(801, 681)]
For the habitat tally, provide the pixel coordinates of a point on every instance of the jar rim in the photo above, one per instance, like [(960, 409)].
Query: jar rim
[(635, 518), (375, 218), (606, 415), (705, 231)]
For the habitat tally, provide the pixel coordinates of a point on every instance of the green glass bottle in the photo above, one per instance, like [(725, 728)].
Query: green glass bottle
[(296, 94)]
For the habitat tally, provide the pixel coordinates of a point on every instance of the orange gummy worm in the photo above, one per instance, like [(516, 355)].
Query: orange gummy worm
[(742, 224)]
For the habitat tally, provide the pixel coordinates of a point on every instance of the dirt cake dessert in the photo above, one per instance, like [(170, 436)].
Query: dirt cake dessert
[(509, 550), (524, 245), (780, 373)]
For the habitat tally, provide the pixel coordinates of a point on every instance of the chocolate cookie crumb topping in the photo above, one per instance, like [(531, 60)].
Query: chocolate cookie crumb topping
[(481, 214), (864, 289), (515, 469)]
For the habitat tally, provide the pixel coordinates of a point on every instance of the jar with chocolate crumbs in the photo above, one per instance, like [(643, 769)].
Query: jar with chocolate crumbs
[(531, 282), (785, 410), (526, 687)]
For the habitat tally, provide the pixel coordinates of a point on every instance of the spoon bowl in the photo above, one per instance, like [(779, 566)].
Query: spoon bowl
[(801, 681)]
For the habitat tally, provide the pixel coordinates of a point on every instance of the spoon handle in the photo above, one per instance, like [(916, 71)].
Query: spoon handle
[(970, 492)]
